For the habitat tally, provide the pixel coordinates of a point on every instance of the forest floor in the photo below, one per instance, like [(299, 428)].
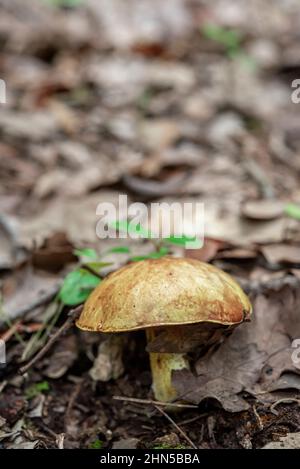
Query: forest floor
[(161, 101)]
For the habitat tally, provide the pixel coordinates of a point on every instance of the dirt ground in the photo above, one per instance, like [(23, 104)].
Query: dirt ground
[(161, 101)]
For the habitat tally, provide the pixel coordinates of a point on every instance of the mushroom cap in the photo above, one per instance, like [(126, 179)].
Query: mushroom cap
[(164, 292)]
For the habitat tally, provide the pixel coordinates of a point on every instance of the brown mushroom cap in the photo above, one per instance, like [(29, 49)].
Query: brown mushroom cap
[(164, 292)]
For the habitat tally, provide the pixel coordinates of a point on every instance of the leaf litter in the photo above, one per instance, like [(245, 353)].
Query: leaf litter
[(167, 103)]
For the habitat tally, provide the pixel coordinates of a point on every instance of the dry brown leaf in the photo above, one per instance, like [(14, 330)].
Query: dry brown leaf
[(207, 252), (262, 209), (282, 253), (257, 357), (23, 290), (75, 217), (56, 252), (35, 126), (149, 21), (62, 358), (290, 441)]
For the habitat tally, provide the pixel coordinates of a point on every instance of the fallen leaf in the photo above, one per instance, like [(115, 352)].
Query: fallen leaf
[(262, 209), (237, 253), (75, 217), (126, 443), (24, 289), (257, 356), (290, 441), (152, 188), (223, 376), (148, 23), (35, 126), (56, 252), (62, 358), (281, 253), (207, 252)]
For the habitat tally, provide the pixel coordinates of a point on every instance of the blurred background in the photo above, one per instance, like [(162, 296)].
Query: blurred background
[(163, 101), (157, 100)]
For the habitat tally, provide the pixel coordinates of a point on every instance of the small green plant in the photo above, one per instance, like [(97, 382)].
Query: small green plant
[(161, 252), (79, 283), (119, 250), (36, 389), (231, 40), (97, 444), (292, 210), (162, 244), (88, 253), (64, 3), (77, 286)]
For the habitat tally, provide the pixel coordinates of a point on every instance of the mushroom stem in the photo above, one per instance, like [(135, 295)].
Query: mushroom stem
[(162, 366)]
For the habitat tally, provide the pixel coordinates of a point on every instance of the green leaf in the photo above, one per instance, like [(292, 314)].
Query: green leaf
[(77, 286), (180, 240), (153, 255), (64, 3), (36, 389), (86, 252), (227, 37), (119, 250), (125, 226), (292, 210)]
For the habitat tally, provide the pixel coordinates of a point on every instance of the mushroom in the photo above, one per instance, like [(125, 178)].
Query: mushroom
[(183, 304)]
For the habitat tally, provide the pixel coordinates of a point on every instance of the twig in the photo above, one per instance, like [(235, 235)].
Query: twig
[(281, 401), (182, 433), (92, 271), (258, 418), (155, 403), (193, 419), (10, 332), (72, 316)]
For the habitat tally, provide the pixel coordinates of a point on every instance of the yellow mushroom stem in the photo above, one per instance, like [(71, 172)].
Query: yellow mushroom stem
[(162, 366)]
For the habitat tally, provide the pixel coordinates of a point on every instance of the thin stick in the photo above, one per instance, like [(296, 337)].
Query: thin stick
[(73, 314), (151, 402), (10, 332), (182, 433), (91, 271), (258, 418), (193, 419), (281, 401)]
